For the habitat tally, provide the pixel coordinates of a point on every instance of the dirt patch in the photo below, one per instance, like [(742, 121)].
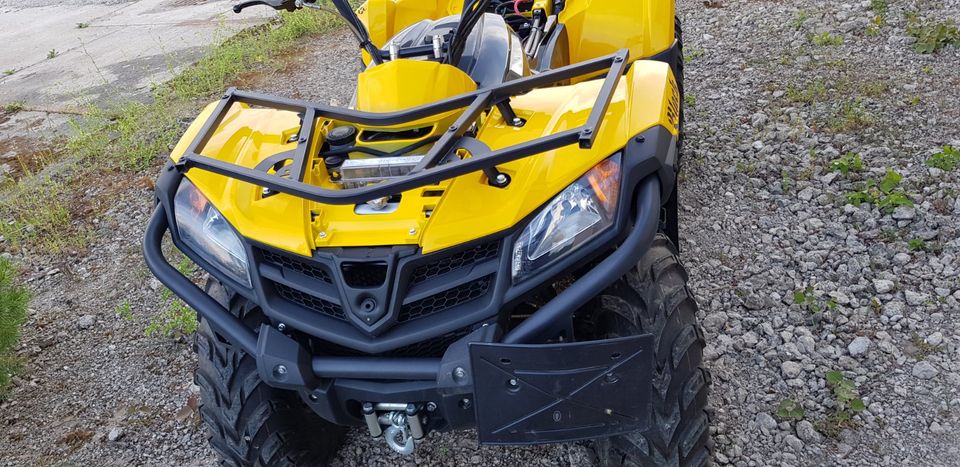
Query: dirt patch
[(24, 156)]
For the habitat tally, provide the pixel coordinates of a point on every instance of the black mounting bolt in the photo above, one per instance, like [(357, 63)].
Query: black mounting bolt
[(617, 59), (640, 139), (453, 128)]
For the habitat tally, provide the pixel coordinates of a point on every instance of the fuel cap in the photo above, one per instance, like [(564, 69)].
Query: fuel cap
[(342, 136)]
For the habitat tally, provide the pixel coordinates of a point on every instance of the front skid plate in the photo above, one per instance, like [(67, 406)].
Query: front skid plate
[(529, 394)]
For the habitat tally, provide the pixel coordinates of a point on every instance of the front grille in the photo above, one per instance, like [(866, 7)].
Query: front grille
[(464, 258), (310, 302), (430, 348), (364, 275), (302, 266), (445, 300)]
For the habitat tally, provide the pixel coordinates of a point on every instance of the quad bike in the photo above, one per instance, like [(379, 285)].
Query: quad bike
[(486, 238)]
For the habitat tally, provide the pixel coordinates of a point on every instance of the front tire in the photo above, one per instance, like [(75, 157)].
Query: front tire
[(653, 299), (248, 422)]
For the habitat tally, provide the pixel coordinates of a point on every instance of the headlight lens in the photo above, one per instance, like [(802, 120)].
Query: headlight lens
[(576, 215), (207, 233)]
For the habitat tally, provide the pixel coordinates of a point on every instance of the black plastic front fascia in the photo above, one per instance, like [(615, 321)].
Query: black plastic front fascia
[(651, 152)]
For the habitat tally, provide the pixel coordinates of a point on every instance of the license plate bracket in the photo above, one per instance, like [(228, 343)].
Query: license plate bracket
[(531, 394)]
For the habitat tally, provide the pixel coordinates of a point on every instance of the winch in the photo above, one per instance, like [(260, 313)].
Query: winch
[(399, 423)]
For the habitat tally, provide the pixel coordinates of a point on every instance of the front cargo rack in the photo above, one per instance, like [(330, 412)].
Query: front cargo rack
[(429, 171)]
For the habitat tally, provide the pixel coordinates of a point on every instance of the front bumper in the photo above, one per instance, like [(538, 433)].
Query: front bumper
[(335, 384)]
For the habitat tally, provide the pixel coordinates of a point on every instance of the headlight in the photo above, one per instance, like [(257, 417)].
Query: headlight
[(576, 215), (207, 233)]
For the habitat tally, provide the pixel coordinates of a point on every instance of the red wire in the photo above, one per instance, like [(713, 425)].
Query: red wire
[(516, 6)]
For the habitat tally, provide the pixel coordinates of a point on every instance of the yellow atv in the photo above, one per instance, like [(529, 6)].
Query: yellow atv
[(486, 238)]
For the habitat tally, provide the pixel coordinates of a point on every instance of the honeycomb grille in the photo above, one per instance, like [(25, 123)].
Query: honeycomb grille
[(301, 266), (673, 105), (430, 348), (364, 275), (310, 302), (459, 260), (445, 300)]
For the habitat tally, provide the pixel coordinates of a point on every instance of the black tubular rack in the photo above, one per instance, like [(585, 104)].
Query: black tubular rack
[(429, 171)]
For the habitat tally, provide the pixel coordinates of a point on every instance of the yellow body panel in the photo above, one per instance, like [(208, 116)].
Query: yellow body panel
[(472, 209), (469, 208), (385, 18), (601, 27), (402, 84)]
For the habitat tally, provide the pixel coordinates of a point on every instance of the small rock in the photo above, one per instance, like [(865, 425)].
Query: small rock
[(807, 193), (843, 449), (793, 442), (753, 302), (925, 370), (115, 434), (791, 369), (859, 346), (883, 285), (807, 433), (913, 298), (764, 420), (935, 339), (715, 321), (902, 213), (86, 321)]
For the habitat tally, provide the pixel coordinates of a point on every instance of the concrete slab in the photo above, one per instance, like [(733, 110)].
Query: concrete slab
[(122, 48)]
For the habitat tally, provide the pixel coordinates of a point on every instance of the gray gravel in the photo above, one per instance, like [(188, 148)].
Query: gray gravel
[(764, 217)]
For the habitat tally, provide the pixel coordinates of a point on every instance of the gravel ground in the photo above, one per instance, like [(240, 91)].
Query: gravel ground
[(765, 216)]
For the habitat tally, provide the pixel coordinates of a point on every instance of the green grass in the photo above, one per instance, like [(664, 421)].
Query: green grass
[(815, 91), (176, 319), (923, 348), (13, 311), (83, 25), (851, 116), (883, 194), (826, 39), (880, 7), (692, 54), (947, 159), (14, 107), (40, 218), (849, 162), (789, 410), (797, 21), (847, 404), (9, 72), (131, 136), (52, 54), (932, 35), (917, 244)]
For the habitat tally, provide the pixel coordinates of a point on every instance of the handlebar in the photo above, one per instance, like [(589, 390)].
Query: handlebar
[(289, 5)]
